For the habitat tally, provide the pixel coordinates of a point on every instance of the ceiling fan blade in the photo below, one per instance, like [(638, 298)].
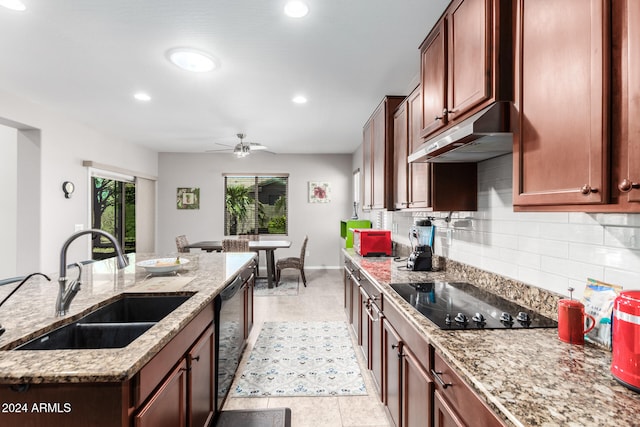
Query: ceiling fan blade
[(221, 149), (225, 145), (256, 146)]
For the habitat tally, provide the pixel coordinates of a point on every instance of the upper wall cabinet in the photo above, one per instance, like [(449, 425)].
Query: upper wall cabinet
[(561, 133), (466, 62), (626, 105), (377, 148), (438, 186)]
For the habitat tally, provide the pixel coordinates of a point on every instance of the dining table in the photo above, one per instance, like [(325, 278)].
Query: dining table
[(268, 246)]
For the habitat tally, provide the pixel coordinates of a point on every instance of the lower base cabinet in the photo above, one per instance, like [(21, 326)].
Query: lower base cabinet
[(455, 404), (168, 406), (200, 381), (417, 389)]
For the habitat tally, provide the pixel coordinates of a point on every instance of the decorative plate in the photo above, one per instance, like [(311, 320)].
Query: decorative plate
[(162, 265)]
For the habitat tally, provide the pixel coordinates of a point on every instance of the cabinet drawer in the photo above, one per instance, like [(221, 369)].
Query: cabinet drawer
[(464, 402), (153, 372)]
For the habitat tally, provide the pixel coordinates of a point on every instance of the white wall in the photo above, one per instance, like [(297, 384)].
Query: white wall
[(63, 145), (9, 200), (321, 221), (550, 250)]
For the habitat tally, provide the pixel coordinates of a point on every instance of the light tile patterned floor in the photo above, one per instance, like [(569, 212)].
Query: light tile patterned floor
[(321, 300)]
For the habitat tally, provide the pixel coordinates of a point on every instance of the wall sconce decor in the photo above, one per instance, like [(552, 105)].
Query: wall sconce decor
[(68, 187)]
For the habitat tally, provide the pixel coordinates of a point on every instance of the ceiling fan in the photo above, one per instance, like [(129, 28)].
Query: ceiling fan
[(242, 149)]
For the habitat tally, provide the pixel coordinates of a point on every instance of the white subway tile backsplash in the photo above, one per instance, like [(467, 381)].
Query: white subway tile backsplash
[(552, 250)]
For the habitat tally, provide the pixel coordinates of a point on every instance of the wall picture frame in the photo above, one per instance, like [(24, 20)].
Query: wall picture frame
[(319, 192), (188, 198)]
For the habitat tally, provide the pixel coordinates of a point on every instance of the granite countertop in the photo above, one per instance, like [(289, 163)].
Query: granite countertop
[(31, 312), (527, 376)]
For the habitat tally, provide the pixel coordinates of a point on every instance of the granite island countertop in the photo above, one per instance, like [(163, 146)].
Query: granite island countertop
[(527, 376), (30, 312)]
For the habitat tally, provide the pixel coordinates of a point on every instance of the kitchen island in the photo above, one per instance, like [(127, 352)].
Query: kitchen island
[(527, 377), (109, 380)]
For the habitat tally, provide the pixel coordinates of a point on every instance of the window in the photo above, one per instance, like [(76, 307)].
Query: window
[(255, 204), (114, 211)]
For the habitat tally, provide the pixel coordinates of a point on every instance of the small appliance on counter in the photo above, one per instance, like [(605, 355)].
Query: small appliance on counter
[(625, 360), (371, 242), (421, 239)]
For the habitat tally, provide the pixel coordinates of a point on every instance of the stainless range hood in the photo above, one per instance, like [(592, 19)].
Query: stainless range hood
[(484, 135)]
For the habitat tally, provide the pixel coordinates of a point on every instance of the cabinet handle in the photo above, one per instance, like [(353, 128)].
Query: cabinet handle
[(438, 378), (197, 358), (586, 189), (439, 118), (627, 185)]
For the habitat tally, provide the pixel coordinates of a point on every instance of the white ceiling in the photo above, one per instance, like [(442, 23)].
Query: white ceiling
[(86, 58)]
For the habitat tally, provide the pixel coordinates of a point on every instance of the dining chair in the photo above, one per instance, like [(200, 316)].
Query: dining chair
[(235, 245), (293, 262), (181, 242)]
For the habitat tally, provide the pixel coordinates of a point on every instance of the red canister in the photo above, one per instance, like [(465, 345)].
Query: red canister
[(625, 360)]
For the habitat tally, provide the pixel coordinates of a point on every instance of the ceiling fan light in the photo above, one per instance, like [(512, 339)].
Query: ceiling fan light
[(192, 60), (13, 5), (296, 9)]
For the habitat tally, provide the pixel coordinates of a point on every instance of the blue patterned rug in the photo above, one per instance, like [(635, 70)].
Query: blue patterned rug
[(287, 287), (301, 359)]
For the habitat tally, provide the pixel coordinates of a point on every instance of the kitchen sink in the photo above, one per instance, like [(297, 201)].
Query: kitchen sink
[(115, 325)]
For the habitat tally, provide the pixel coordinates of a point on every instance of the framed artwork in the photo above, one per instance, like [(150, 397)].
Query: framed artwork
[(319, 192), (188, 198)]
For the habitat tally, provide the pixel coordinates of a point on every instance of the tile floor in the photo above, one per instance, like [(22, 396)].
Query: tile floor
[(322, 299)]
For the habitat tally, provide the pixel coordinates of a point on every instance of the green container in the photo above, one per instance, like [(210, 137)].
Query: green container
[(346, 229)]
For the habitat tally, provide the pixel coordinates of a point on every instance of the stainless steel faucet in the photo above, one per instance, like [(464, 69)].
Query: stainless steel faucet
[(65, 295), (25, 280)]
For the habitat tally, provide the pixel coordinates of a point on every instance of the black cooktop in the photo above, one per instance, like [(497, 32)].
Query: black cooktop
[(457, 305)]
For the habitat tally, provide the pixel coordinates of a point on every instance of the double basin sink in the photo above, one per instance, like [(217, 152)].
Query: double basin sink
[(114, 325)]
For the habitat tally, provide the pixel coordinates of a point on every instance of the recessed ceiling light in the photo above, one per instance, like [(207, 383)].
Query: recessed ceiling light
[(296, 9), (13, 4), (299, 99), (192, 60), (141, 96)]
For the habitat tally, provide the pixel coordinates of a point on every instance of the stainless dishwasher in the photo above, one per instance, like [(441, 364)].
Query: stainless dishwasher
[(229, 328)]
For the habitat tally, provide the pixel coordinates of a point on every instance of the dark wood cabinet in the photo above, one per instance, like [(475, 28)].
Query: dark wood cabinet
[(561, 126), (412, 180), (408, 388), (417, 389), (378, 158), (392, 380), (200, 381), (437, 187), (455, 404), (466, 62), (400, 154), (443, 415), (629, 176), (168, 406)]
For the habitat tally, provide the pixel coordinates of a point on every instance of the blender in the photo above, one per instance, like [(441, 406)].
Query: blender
[(421, 239)]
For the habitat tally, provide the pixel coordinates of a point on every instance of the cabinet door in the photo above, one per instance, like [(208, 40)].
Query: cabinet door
[(400, 152), (561, 140), (348, 295), (631, 170), (469, 67), (443, 415), (417, 389), (168, 406), (378, 153), (392, 347), (418, 172), (433, 80), (375, 346), (201, 362), (367, 164), (356, 309), (365, 325)]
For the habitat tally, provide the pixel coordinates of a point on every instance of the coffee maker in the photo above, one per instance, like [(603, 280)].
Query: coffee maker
[(421, 239)]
